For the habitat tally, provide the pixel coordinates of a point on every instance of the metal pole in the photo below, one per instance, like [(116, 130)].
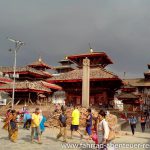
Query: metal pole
[(18, 44), (14, 76)]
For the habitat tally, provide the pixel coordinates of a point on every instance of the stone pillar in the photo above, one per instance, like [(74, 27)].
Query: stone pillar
[(86, 83)]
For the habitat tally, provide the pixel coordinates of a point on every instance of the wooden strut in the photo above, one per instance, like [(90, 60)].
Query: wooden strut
[(5, 107), (17, 102), (31, 101), (8, 103)]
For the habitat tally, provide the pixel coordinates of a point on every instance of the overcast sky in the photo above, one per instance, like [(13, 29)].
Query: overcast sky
[(56, 28)]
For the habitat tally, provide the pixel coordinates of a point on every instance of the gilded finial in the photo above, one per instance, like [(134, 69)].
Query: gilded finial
[(91, 50), (40, 59)]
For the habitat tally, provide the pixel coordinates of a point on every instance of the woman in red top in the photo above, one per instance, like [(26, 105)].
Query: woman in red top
[(143, 122)]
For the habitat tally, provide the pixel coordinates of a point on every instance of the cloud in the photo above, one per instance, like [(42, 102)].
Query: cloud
[(54, 29)]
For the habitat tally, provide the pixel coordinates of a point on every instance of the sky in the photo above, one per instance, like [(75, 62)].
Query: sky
[(54, 29)]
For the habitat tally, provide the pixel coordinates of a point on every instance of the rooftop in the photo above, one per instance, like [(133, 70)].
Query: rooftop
[(5, 80), (40, 63), (138, 82), (96, 58), (127, 86), (97, 73), (51, 86), (25, 70), (25, 86), (66, 61), (63, 67), (126, 96)]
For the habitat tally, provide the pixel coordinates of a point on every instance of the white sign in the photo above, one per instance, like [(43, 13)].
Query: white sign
[(3, 101), (12, 76)]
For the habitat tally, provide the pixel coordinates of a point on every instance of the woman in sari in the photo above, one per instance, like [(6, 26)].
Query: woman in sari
[(7, 119), (13, 126)]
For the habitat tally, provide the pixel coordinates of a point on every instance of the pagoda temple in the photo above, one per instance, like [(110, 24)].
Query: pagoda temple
[(30, 86), (130, 99), (103, 83), (142, 86), (65, 66)]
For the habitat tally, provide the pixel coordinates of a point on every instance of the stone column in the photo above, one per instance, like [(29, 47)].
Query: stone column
[(86, 83)]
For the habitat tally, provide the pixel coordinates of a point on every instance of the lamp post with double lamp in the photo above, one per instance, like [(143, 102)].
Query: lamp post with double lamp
[(18, 45)]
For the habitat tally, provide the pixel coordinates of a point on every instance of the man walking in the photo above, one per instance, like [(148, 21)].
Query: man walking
[(35, 125), (132, 122), (62, 122), (75, 121)]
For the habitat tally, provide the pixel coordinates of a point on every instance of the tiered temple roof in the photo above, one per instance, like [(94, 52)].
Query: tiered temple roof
[(30, 84), (128, 95), (103, 83), (65, 66), (96, 58), (40, 64), (25, 70), (96, 74), (51, 86), (4, 80), (25, 86), (65, 62), (98, 61)]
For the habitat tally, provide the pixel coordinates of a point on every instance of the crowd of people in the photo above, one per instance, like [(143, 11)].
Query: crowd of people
[(97, 129), (35, 121)]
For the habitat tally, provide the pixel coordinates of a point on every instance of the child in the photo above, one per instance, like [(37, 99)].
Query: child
[(94, 131)]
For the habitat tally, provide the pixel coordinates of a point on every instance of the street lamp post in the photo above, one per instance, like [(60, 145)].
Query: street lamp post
[(14, 77), (18, 45)]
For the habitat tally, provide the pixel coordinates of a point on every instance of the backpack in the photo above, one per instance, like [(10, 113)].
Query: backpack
[(63, 118)]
